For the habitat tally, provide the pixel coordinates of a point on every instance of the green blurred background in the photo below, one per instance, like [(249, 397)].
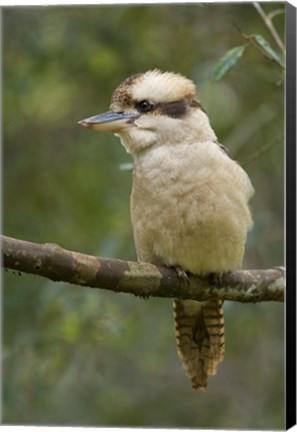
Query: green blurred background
[(76, 356)]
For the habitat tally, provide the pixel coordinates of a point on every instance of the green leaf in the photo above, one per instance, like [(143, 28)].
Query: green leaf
[(266, 49), (227, 62)]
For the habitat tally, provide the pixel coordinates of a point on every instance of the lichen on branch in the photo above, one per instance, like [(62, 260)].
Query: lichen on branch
[(141, 279)]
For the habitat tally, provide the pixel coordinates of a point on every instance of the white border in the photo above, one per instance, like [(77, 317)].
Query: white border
[(11, 3)]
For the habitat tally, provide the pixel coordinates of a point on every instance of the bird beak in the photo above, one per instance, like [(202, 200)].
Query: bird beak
[(109, 121)]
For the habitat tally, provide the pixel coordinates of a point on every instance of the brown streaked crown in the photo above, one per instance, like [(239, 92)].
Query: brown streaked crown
[(170, 93)]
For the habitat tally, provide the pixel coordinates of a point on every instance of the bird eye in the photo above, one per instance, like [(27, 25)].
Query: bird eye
[(144, 106)]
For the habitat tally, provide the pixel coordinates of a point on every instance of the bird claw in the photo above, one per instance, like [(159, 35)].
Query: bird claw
[(182, 274), (215, 280)]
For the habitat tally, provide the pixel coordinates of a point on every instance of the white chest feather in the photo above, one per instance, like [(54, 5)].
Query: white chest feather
[(189, 208)]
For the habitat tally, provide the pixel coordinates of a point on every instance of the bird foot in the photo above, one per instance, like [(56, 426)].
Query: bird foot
[(215, 280), (182, 274)]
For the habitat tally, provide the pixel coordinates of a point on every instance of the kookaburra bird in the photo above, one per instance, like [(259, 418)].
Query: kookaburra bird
[(189, 200)]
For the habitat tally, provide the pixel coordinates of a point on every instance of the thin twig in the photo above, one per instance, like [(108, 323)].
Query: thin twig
[(251, 40), (268, 22), (275, 12)]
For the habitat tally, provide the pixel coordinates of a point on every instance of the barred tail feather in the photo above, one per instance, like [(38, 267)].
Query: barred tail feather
[(199, 328)]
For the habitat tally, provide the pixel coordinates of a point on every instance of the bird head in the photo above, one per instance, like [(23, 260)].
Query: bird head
[(152, 109)]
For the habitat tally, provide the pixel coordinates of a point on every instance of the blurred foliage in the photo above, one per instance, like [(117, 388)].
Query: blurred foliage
[(231, 57), (76, 356)]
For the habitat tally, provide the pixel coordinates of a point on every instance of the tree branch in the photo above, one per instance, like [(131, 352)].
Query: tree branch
[(141, 279)]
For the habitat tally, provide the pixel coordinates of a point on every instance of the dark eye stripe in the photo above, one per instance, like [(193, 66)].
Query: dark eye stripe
[(177, 109), (172, 109)]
